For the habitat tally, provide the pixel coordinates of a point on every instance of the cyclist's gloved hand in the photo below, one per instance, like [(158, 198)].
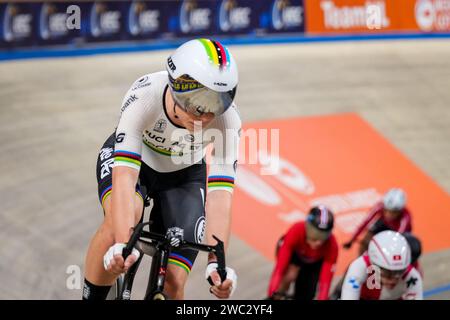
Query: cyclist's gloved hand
[(222, 290), (113, 260)]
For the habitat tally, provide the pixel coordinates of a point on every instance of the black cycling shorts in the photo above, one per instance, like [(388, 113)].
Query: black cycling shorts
[(178, 199), (378, 226), (308, 275)]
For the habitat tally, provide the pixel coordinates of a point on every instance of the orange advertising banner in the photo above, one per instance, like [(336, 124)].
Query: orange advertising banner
[(377, 16), (432, 15), (339, 161)]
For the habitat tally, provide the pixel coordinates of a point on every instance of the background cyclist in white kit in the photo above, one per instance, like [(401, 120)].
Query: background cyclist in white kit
[(384, 271)]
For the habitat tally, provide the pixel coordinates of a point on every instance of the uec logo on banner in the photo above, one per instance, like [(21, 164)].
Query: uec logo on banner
[(104, 21), (141, 19), (52, 24), (192, 18), (232, 17), (285, 15), (16, 24)]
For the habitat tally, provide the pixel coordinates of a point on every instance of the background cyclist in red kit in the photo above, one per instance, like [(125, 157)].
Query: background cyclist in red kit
[(389, 214), (307, 254)]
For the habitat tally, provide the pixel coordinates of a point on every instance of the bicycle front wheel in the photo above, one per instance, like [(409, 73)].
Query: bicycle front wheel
[(159, 296)]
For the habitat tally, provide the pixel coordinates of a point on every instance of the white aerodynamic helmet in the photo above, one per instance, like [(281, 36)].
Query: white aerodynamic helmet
[(203, 77), (394, 200), (389, 250)]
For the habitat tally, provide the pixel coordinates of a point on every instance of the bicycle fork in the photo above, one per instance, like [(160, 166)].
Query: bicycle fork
[(158, 270), (125, 283)]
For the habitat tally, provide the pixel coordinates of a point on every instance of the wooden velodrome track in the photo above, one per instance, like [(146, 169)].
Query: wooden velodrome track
[(55, 114)]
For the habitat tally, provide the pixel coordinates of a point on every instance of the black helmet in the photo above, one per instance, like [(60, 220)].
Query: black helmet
[(319, 223), (415, 245)]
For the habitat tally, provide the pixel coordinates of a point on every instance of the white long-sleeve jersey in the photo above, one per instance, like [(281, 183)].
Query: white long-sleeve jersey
[(146, 134)]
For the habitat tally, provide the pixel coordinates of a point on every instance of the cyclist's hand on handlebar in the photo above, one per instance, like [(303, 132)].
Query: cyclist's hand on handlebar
[(113, 260), (278, 296), (222, 290)]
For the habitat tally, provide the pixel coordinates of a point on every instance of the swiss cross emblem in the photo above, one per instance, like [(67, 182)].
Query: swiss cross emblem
[(397, 257)]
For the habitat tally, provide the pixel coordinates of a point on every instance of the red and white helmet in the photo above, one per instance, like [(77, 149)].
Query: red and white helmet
[(203, 76), (389, 250)]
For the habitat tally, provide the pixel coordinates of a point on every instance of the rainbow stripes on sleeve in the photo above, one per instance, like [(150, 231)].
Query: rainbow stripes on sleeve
[(220, 183), (127, 159), (105, 194)]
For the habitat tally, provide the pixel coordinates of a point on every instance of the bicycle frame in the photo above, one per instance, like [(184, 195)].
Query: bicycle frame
[(159, 247)]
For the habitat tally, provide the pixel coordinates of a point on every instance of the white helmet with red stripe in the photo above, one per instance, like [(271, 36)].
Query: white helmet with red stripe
[(389, 250)]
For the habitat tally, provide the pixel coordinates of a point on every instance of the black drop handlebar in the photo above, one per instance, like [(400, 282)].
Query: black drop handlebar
[(162, 242)]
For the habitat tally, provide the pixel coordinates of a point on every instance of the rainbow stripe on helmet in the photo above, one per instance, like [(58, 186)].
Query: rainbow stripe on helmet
[(218, 54)]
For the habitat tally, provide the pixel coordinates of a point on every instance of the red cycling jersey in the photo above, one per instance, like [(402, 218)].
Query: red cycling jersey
[(401, 224), (295, 241)]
